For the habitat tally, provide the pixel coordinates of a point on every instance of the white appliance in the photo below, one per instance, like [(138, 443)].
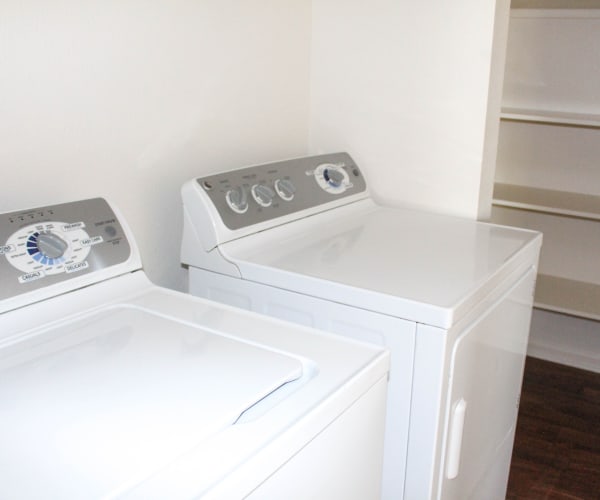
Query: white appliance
[(111, 387), (302, 240)]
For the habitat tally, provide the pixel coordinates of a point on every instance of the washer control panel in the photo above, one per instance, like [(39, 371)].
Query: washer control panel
[(51, 244), (263, 192)]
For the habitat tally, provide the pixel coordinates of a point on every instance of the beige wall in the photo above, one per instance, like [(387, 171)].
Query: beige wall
[(128, 99), (408, 89)]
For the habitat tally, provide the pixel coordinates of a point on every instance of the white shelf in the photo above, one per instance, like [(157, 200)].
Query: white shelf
[(568, 9), (551, 117), (566, 296), (584, 206)]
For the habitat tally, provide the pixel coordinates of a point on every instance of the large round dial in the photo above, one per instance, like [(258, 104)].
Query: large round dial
[(285, 189), (263, 195), (332, 178), (51, 245), (237, 199)]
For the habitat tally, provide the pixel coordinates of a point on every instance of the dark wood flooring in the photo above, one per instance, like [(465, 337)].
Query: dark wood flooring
[(557, 445)]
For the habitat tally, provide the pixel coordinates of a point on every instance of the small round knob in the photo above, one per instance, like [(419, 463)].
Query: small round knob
[(51, 245), (285, 189), (333, 177), (237, 199), (263, 195)]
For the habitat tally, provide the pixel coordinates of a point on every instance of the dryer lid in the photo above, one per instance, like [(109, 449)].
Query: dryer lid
[(93, 404), (423, 267)]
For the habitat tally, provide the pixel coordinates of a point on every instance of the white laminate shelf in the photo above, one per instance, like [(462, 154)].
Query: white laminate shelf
[(551, 117), (583, 206), (576, 298)]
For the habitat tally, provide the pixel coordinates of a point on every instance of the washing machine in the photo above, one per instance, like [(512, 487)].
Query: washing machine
[(451, 298), (111, 387)]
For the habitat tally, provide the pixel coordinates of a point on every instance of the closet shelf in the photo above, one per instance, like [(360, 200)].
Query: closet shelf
[(576, 298), (554, 117), (585, 206)]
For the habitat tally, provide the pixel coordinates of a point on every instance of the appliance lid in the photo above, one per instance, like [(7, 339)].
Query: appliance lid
[(405, 263), (91, 406)]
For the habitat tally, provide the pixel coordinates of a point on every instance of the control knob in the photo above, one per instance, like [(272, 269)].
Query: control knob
[(263, 195), (51, 245), (333, 177), (237, 199), (285, 189)]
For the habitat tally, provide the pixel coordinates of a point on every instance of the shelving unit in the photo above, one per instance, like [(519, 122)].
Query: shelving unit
[(548, 171), (555, 293)]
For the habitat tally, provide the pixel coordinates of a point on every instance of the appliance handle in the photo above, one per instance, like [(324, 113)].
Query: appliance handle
[(455, 438)]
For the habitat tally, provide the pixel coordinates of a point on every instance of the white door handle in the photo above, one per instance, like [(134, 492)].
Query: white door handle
[(455, 438)]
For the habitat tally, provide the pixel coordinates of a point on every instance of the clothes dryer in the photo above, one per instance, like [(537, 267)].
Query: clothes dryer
[(111, 387), (451, 298)]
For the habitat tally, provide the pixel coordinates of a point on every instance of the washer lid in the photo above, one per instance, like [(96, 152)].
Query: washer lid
[(93, 406)]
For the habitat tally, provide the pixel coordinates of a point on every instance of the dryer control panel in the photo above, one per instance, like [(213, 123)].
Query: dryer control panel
[(49, 245), (260, 193)]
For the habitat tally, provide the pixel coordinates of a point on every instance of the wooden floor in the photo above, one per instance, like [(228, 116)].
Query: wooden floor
[(557, 445)]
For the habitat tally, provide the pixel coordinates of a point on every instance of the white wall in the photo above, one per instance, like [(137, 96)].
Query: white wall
[(409, 89), (128, 99)]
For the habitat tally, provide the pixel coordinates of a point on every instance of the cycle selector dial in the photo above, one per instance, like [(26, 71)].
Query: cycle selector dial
[(51, 245), (285, 189), (263, 195), (237, 199)]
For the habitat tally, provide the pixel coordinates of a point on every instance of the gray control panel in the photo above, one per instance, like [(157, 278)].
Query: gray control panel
[(48, 245), (263, 192)]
